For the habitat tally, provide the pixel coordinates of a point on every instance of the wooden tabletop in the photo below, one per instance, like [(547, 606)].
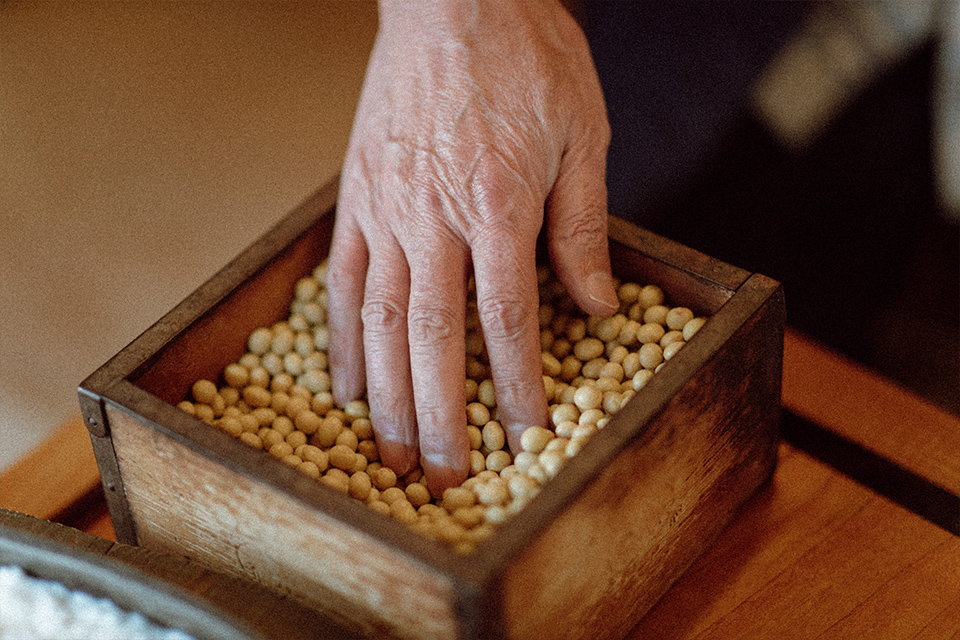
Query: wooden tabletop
[(856, 536)]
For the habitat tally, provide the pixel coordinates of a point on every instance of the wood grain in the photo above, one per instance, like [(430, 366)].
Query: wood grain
[(185, 503), (816, 555)]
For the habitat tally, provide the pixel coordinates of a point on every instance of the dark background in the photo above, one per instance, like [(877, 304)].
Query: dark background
[(850, 226)]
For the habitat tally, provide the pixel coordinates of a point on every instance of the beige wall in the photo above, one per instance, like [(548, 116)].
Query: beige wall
[(142, 145)]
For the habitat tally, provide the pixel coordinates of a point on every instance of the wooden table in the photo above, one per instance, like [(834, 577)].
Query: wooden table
[(856, 536)]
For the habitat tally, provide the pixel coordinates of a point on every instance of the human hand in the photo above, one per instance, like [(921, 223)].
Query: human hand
[(474, 118)]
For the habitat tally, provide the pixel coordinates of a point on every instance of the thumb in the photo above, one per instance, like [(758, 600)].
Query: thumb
[(577, 233)]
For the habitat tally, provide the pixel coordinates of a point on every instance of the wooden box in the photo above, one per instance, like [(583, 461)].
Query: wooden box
[(586, 559)]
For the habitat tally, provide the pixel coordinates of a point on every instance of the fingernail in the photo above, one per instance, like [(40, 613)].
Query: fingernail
[(442, 472), (514, 432), (396, 454), (599, 285)]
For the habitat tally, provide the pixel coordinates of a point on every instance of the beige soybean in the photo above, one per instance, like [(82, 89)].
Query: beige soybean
[(308, 422), (592, 368), (671, 349), (296, 439), (641, 378), (260, 377), (417, 494), (315, 455), (257, 396), (310, 469), (231, 426), (281, 449), (337, 479), (565, 395), (587, 398), (608, 329), (486, 394), (628, 293), (230, 396), (327, 432), (204, 391), (546, 339), (650, 355), (357, 409), (570, 368), (576, 330), (677, 317), (561, 348), (691, 328), (347, 438), (259, 340), (236, 375), (363, 427), (565, 411), (279, 401), (670, 337), (493, 435), (478, 462), (471, 387), (403, 511), (342, 457), (657, 314), (368, 449), (392, 494), (588, 349), (549, 387), (283, 425), (611, 370), (591, 416), (616, 352), (552, 462), (272, 362), (549, 365), (251, 439), (477, 414), (384, 478), (650, 295), (291, 460), (612, 401), (534, 439), (360, 485), (494, 492), (498, 460), (458, 498)]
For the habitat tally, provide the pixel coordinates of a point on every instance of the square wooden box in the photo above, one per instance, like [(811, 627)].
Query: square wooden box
[(586, 559)]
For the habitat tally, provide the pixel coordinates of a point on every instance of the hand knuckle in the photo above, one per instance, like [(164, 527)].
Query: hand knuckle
[(382, 316), (432, 324), (588, 223), (503, 318)]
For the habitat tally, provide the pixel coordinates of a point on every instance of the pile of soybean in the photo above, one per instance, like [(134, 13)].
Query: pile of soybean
[(277, 398)]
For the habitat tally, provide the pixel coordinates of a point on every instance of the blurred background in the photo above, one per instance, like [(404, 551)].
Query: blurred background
[(142, 146), (145, 144)]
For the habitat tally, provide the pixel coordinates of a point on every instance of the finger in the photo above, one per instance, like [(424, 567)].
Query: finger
[(577, 231), (389, 384), (346, 271), (507, 302), (436, 326)]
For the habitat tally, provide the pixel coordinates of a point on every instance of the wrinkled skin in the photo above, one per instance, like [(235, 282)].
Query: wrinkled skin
[(478, 122)]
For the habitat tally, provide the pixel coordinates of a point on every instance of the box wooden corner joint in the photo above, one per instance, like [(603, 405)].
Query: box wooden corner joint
[(587, 557)]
